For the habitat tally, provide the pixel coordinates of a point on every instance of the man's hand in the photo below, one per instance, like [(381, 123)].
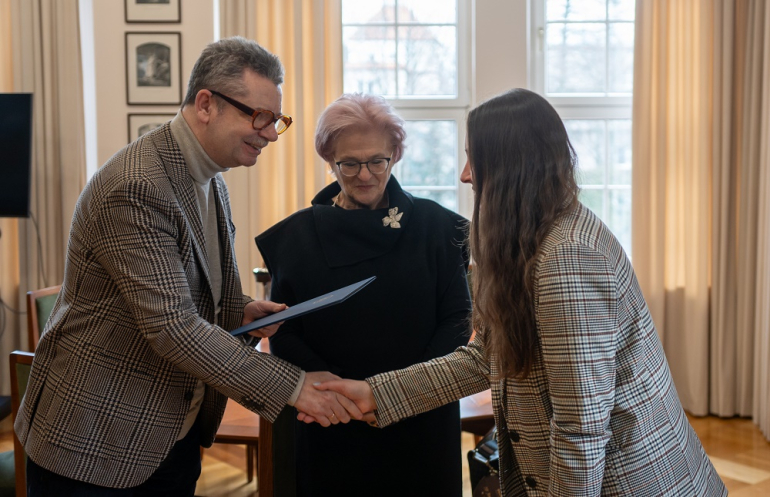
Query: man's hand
[(359, 392), (326, 408), (259, 309)]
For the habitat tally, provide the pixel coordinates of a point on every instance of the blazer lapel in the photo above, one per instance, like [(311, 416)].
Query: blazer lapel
[(232, 292), (183, 186)]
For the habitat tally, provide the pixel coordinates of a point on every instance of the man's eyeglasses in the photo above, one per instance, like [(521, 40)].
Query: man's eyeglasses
[(377, 165), (260, 118)]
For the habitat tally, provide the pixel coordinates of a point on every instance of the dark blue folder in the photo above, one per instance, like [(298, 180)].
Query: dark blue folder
[(305, 307)]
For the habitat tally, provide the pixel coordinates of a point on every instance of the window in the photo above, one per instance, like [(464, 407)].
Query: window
[(584, 60), (409, 51)]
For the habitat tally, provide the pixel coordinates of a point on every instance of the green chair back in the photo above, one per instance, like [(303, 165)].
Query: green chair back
[(21, 367), (44, 306), (7, 475)]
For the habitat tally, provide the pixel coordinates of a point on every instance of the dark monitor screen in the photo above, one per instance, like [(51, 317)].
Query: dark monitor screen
[(15, 153)]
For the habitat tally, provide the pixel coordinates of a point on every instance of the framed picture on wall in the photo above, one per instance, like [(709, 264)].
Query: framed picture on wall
[(167, 11), (139, 124), (153, 68)]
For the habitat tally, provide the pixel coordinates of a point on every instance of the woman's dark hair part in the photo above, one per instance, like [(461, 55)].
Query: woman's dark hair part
[(523, 169)]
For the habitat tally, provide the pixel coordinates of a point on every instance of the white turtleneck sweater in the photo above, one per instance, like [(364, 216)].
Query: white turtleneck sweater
[(202, 169)]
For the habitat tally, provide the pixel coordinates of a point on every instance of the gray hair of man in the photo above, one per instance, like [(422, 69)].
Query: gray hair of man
[(221, 64)]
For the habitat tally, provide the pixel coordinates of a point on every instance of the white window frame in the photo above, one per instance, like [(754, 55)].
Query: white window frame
[(571, 107), (447, 108)]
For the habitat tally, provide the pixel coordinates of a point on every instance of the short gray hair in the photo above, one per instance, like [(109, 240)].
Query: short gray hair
[(221, 65)]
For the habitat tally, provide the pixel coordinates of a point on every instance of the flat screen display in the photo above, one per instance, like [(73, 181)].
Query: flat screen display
[(16, 150)]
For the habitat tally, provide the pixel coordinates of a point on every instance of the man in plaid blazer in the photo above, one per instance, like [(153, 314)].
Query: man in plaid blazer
[(134, 367)]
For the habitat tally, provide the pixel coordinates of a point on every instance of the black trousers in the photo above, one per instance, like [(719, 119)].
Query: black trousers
[(177, 475)]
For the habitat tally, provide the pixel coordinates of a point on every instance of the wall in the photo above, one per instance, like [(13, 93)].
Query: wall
[(196, 28), (500, 50)]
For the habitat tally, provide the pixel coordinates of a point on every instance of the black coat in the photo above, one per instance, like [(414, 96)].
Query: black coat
[(417, 309)]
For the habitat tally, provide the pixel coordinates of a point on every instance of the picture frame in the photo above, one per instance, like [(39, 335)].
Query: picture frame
[(153, 68), (157, 11), (141, 123)]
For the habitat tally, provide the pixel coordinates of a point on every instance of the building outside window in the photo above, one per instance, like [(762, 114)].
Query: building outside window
[(583, 56), (414, 53)]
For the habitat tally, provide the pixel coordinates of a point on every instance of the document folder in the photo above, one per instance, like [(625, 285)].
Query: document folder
[(306, 307)]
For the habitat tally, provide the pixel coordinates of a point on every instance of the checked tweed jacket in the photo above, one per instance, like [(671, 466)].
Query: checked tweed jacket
[(599, 414), (131, 331)]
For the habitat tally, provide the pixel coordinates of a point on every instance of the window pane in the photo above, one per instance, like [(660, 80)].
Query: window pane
[(621, 10), (427, 11), (621, 58), (619, 133), (369, 56), (593, 199), (427, 60), (619, 217), (447, 198), (576, 10), (587, 138), (358, 12), (430, 158), (575, 56)]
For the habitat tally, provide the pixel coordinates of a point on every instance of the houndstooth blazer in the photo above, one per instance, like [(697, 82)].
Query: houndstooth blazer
[(599, 414), (131, 331)]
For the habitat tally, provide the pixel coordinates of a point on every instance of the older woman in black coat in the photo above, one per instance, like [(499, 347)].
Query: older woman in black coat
[(417, 309)]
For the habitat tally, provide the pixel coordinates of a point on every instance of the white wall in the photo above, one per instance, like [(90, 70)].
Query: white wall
[(196, 28), (501, 48)]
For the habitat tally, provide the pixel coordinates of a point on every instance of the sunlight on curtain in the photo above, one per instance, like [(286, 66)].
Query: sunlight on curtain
[(671, 167), (699, 86), (305, 34), (761, 343), (10, 321)]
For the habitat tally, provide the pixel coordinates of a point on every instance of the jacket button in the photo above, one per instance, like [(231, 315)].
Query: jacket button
[(530, 482), (514, 436), (188, 396)]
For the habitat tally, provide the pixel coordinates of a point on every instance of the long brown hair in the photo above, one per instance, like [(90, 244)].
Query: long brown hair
[(523, 168)]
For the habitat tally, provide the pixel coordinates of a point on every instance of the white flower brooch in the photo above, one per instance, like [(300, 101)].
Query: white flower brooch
[(393, 218)]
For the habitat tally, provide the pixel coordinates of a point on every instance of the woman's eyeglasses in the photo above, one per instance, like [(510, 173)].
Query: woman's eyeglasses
[(377, 165)]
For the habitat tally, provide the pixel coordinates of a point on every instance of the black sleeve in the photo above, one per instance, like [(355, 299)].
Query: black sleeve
[(454, 303)]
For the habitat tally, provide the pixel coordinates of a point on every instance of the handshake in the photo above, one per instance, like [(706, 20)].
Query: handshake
[(327, 399)]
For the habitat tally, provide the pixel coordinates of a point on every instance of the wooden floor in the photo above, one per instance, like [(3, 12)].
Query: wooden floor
[(738, 450)]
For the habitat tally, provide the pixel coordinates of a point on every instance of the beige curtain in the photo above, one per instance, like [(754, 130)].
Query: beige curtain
[(761, 342), (44, 42), (306, 35), (700, 115), (9, 228)]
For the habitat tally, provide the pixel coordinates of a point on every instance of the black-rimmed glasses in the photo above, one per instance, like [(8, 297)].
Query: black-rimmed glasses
[(378, 165), (260, 118)]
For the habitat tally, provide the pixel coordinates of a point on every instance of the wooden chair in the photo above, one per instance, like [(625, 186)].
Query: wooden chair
[(241, 426), (21, 365), (265, 459), (39, 306)]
